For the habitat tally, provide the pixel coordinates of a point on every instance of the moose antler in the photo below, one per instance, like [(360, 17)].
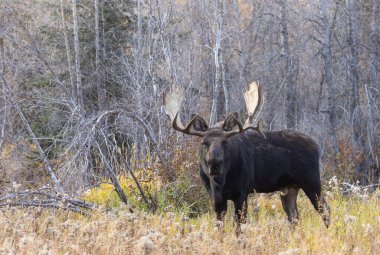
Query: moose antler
[(187, 130), (172, 104), (242, 129), (257, 128), (252, 99), (236, 131)]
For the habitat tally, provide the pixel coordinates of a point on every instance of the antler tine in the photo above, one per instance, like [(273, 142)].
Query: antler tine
[(234, 132), (186, 130), (175, 124), (257, 129), (182, 129), (238, 123)]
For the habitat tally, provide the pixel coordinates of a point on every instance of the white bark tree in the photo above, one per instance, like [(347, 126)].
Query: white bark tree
[(289, 82), (353, 68), (218, 59), (328, 72), (68, 53), (79, 86), (375, 44), (98, 73)]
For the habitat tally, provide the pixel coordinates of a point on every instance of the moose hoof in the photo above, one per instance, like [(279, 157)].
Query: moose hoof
[(219, 224)]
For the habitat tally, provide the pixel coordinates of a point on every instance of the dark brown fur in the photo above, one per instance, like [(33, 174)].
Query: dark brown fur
[(232, 167)]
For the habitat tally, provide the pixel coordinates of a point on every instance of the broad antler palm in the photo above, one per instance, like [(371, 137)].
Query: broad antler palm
[(173, 101)]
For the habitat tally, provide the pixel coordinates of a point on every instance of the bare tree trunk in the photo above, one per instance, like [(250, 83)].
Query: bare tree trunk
[(79, 99), (139, 25), (372, 140), (5, 104), (290, 104), (375, 49), (369, 152), (103, 33), (2, 43), (152, 73), (327, 57), (354, 73), (272, 101), (68, 53), (217, 60), (99, 83), (141, 141), (225, 88), (240, 37)]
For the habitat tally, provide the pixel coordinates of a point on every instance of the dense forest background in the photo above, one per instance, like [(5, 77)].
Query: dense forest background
[(82, 82)]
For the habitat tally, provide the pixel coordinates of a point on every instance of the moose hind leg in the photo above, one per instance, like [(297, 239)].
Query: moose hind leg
[(289, 203), (322, 208), (319, 204)]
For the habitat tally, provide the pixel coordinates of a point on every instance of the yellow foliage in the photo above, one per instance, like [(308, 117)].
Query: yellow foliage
[(7, 149), (99, 195), (105, 193), (245, 8)]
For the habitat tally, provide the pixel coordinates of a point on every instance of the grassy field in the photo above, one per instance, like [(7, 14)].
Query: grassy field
[(355, 229)]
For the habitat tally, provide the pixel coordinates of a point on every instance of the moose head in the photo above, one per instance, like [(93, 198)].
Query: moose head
[(215, 138)]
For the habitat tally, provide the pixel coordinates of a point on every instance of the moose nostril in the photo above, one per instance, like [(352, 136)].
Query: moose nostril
[(215, 170)]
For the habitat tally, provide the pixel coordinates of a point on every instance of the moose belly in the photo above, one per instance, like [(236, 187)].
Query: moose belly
[(273, 183)]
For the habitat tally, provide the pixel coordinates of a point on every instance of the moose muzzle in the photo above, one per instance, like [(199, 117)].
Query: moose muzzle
[(216, 169)]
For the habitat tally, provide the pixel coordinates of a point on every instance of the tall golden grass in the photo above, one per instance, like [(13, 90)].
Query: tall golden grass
[(355, 229)]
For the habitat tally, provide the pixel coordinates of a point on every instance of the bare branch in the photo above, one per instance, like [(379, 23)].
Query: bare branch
[(45, 197), (50, 171)]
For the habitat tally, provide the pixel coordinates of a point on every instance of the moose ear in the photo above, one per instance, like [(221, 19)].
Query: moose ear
[(199, 123), (230, 122)]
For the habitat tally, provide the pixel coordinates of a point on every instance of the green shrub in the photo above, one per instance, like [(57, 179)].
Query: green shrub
[(177, 189)]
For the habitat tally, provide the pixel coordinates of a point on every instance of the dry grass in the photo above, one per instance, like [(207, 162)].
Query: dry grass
[(355, 229)]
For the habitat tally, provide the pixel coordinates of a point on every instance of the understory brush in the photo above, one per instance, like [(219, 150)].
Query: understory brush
[(172, 187)]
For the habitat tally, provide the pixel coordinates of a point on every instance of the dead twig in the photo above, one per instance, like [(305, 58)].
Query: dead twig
[(44, 205), (45, 198)]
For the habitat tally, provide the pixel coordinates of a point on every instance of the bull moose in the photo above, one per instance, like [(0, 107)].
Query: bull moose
[(236, 160)]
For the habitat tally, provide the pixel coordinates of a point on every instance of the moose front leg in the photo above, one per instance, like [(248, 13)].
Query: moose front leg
[(220, 209), (219, 204), (241, 207)]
